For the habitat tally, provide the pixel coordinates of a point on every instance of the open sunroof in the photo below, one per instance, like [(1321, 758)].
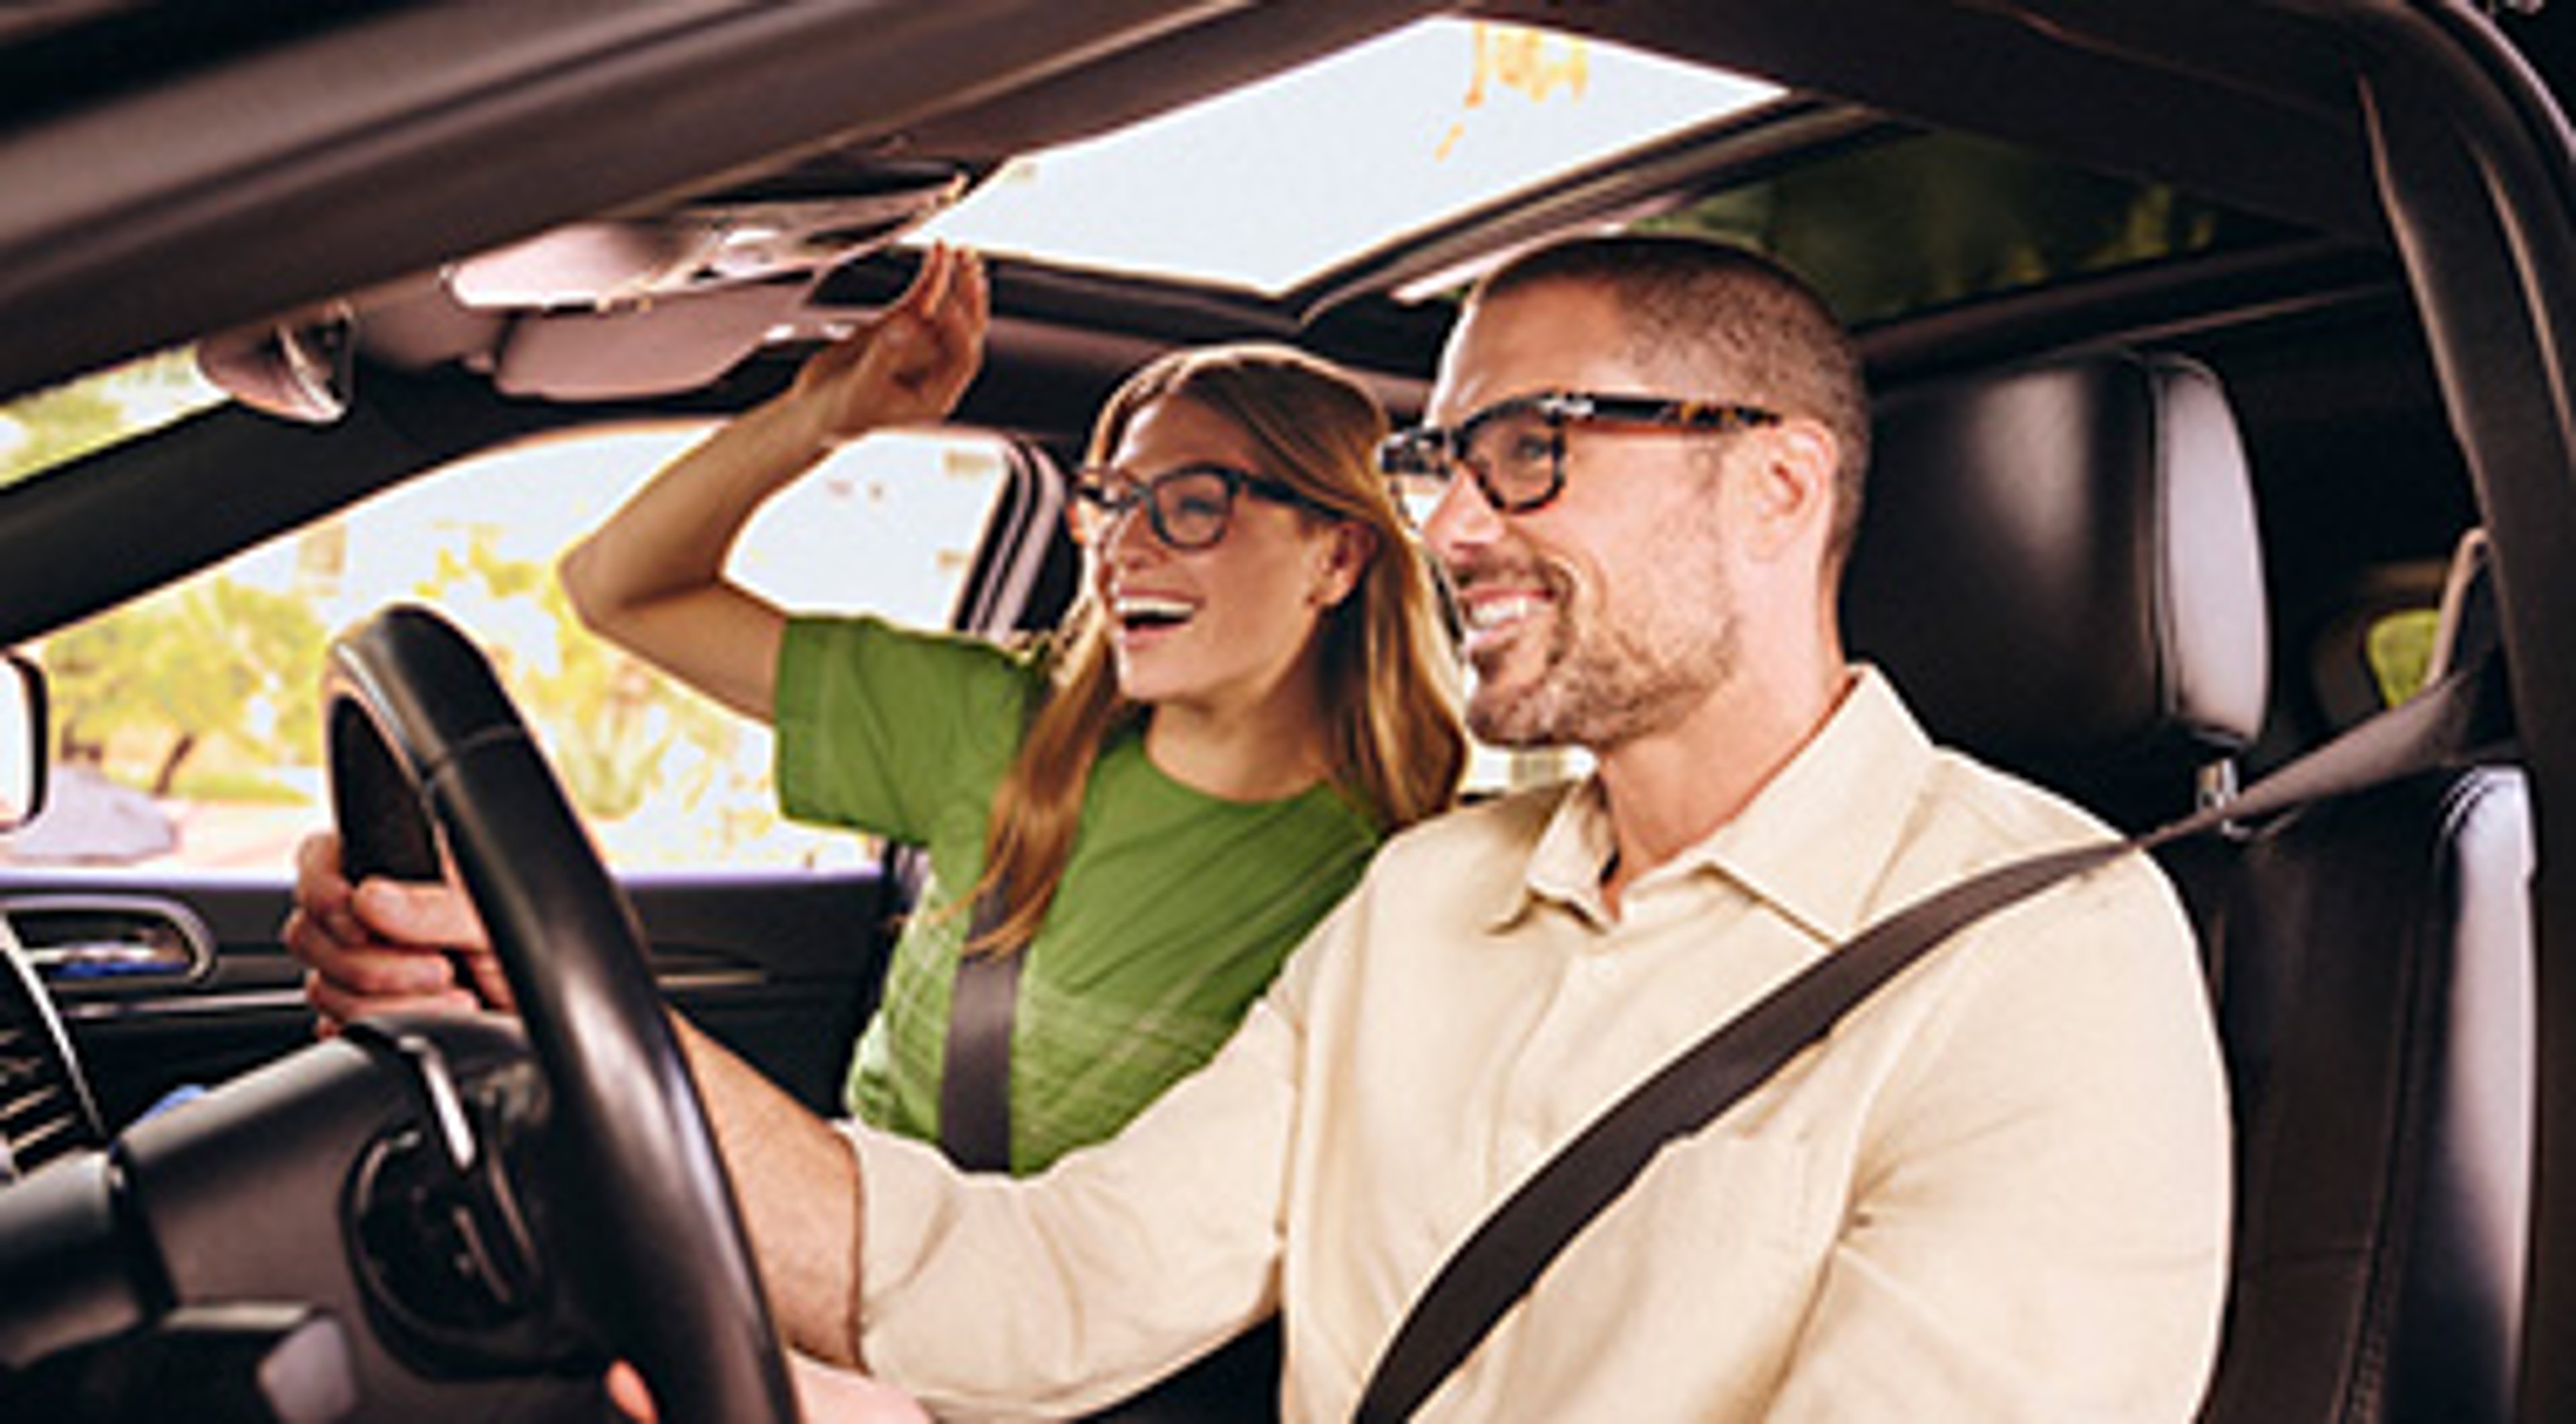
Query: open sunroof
[(1272, 185)]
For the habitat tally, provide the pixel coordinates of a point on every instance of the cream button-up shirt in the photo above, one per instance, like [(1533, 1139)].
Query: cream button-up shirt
[(1997, 1191)]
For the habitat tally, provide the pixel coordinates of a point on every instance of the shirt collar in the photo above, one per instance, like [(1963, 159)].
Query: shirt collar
[(1571, 858), (1813, 842)]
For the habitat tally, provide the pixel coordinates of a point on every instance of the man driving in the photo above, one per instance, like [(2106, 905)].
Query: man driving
[(1998, 1190)]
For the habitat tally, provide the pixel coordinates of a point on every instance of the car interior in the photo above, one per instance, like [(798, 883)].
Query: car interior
[(2213, 343), (2382, 1106)]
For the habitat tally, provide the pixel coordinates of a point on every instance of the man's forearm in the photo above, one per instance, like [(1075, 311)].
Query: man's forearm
[(799, 1192)]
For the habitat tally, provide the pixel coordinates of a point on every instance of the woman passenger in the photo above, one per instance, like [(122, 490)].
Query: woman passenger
[(1149, 808)]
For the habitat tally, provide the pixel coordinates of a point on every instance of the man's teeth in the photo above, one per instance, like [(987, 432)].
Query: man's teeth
[(1495, 612)]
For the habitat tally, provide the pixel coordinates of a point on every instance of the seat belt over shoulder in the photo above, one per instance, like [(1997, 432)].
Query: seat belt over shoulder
[(1500, 1261), (975, 1066)]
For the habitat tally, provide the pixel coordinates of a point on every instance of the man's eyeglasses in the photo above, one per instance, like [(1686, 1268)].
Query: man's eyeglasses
[(1515, 449), (1188, 507)]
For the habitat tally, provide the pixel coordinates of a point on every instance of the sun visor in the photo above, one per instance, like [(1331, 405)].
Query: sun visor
[(800, 223), (674, 344)]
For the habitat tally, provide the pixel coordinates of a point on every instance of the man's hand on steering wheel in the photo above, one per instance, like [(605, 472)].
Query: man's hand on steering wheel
[(385, 946)]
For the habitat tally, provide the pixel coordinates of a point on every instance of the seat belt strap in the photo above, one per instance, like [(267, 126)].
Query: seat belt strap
[(975, 1068), (1504, 1256)]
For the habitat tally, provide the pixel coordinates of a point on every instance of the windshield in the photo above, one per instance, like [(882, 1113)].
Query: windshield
[(53, 427)]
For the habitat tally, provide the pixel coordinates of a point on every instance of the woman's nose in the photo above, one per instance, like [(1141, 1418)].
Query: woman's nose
[(1128, 532)]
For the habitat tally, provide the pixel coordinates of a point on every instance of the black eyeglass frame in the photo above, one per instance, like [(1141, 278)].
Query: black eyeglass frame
[(1432, 452), (1091, 488)]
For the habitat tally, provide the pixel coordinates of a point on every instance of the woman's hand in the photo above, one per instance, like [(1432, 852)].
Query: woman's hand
[(910, 363), (652, 579)]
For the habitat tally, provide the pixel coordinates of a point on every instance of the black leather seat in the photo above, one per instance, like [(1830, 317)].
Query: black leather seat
[(2376, 1007), (2060, 569)]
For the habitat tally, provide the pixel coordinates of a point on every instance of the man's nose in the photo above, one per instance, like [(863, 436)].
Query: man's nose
[(1461, 519)]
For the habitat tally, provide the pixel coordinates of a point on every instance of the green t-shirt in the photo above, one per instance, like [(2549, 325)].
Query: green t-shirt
[(1174, 912)]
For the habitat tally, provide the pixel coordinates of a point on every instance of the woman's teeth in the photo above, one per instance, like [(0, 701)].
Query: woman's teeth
[(1151, 611)]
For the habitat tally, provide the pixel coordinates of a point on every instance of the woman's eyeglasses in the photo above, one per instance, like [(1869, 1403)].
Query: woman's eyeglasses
[(1188, 507)]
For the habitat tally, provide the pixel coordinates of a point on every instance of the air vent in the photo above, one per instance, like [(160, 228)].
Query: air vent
[(45, 1108)]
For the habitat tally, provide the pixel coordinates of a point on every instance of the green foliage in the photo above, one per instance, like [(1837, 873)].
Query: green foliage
[(155, 690), (50, 427), (201, 662), (618, 733), (209, 690), (237, 788), (58, 425)]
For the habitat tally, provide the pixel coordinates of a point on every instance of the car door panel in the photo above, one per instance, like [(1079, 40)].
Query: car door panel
[(173, 984)]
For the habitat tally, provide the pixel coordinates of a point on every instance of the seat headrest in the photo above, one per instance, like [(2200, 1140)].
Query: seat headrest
[(2059, 568)]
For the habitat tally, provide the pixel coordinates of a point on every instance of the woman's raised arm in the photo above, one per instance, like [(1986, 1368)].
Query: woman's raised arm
[(652, 578)]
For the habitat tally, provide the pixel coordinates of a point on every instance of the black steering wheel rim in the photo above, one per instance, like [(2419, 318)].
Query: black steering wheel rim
[(425, 746)]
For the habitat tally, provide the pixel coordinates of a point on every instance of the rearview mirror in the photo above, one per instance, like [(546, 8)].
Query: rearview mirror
[(300, 369), (22, 742)]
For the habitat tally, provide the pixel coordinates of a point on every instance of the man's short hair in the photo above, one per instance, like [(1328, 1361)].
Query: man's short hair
[(1750, 324)]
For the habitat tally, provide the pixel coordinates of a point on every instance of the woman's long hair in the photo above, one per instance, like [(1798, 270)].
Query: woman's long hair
[(1388, 675)]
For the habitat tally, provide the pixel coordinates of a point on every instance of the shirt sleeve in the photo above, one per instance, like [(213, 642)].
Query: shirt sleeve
[(878, 727), (1064, 1292), (2038, 1222)]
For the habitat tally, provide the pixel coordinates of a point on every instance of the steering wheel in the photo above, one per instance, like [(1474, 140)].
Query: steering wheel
[(421, 736)]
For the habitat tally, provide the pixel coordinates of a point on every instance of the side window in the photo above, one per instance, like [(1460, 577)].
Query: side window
[(2399, 649), (187, 736), (2373, 652)]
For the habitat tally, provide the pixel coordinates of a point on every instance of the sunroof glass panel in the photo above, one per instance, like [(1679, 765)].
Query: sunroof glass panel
[(1271, 185)]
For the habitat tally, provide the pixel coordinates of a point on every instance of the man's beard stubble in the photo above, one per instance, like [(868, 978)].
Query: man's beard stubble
[(1601, 682)]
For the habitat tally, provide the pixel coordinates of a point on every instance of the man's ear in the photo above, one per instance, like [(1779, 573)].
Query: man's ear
[(1789, 490), (1347, 548)]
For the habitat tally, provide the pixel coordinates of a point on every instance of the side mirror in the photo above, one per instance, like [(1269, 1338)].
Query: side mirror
[(23, 749)]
